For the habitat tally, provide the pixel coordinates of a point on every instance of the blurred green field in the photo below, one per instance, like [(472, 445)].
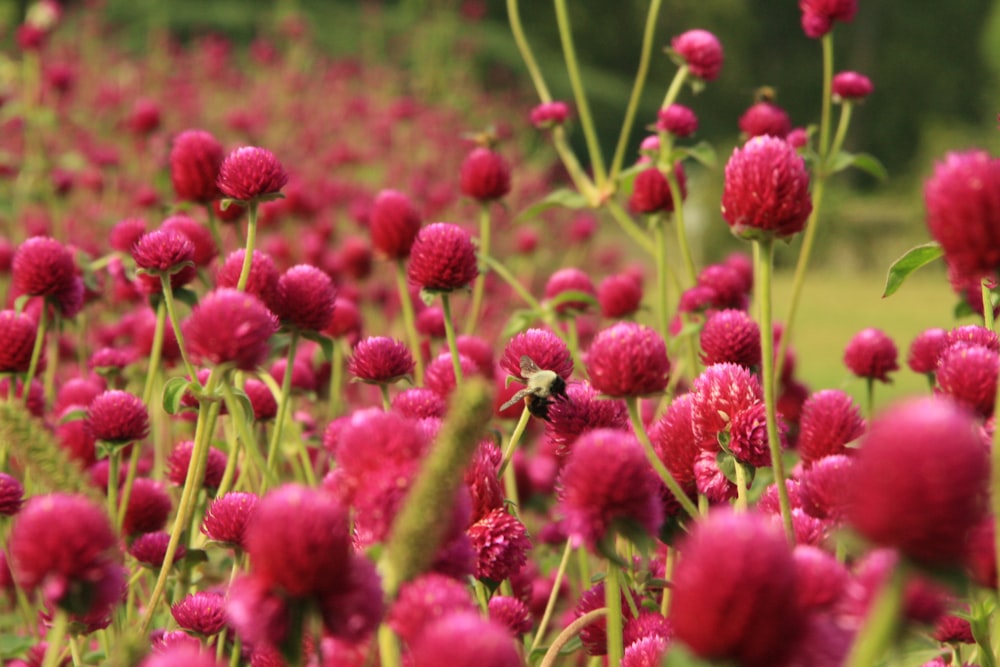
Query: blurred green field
[(836, 305)]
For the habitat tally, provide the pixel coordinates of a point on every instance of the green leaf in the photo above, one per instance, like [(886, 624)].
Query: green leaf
[(173, 391), (186, 296), (680, 656), (864, 161), (963, 309), (73, 415), (626, 180), (246, 407), (325, 342), (572, 296), (12, 645), (520, 320), (702, 152), (563, 197), (914, 259), (195, 557)]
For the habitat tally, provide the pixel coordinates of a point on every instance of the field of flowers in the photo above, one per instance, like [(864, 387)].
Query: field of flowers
[(300, 368)]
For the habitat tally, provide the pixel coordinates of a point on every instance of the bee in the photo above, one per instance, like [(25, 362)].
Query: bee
[(542, 387)]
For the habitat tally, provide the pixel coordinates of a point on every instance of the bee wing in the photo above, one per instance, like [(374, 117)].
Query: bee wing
[(528, 367), (519, 396)]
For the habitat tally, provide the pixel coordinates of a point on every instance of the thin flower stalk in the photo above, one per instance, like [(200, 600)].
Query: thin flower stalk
[(36, 352), (550, 605), (241, 284), (168, 301), (283, 400), (568, 633), (640, 431), (615, 623), (479, 286), (409, 323), (449, 332), (881, 623), (515, 438)]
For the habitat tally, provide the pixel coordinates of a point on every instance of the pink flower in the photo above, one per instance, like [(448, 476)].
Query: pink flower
[(549, 114), (766, 191), (380, 360), (230, 326), (484, 175), (425, 599), (203, 613), (582, 411), (43, 266), (968, 374), (829, 421), (546, 349), (195, 158), (701, 51), (442, 258), (673, 439), (619, 295), (678, 120), (468, 639), (439, 376), (926, 349), (180, 458), (118, 417), (263, 279), (501, 543), (11, 495), (226, 519), (17, 338), (825, 487), (765, 119), (393, 222), (718, 394), (198, 234), (627, 360), (149, 506), (306, 298), (250, 173), (151, 548), (871, 354), (511, 613), (651, 192), (730, 336), (419, 403), (570, 280), (163, 252), (851, 86), (818, 16)]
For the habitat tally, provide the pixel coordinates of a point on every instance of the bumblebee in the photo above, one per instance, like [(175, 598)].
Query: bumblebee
[(542, 388)]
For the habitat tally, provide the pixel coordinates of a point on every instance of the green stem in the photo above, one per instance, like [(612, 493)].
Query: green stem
[(114, 472), (741, 488), (615, 623), (553, 597), (573, 343), (384, 390), (449, 332), (570, 631), (662, 309), (995, 489), (633, 412), (628, 226), (49, 378), (881, 623), (763, 271), (388, 647), (36, 354), (515, 437), (480, 285), (514, 284), (682, 240), (869, 398), (517, 29), (213, 228), (283, 401), (988, 320), (168, 300), (838, 138), (680, 76), (668, 574), (55, 637), (409, 323), (337, 377), (251, 241), (640, 82), (249, 441), (580, 97), (827, 104)]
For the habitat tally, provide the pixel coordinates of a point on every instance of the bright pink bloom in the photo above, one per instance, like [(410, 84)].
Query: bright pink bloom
[(718, 394), (394, 222), (678, 120), (926, 349), (730, 336), (149, 506), (381, 360), (151, 548), (484, 175), (511, 613), (546, 349), (851, 86), (468, 639), (425, 599), (43, 266), (230, 326), (442, 258), (501, 543), (627, 360), (765, 119), (651, 192), (195, 159), (570, 280), (11, 495), (581, 412), (818, 16), (203, 613), (871, 354), (164, 252), (968, 374), (198, 234), (701, 51), (825, 487), (829, 421), (180, 459), (263, 279), (226, 519), (419, 403), (118, 417), (306, 298), (17, 339), (249, 173), (549, 114)]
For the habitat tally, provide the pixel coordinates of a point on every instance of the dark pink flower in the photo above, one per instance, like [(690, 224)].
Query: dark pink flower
[(182, 655), (765, 119), (766, 191), (118, 417), (645, 652), (829, 421), (619, 295), (484, 175), (501, 543), (419, 403), (257, 612), (549, 114), (439, 376), (582, 411), (651, 192), (442, 258), (180, 458), (968, 375), (227, 517), (973, 334), (748, 436), (17, 338), (594, 635), (851, 86), (511, 613), (570, 280), (546, 349), (627, 360), (818, 16), (920, 481), (926, 349), (825, 487), (149, 506), (125, 233), (198, 234), (144, 117), (380, 360), (674, 441), (263, 279), (425, 599), (717, 395), (734, 591), (468, 639), (151, 548), (871, 354), (195, 158), (822, 579), (43, 266), (394, 222), (11, 495), (678, 120), (163, 252), (203, 613), (249, 173), (306, 298), (730, 336), (265, 406), (230, 326), (701, 51), (353, 611)]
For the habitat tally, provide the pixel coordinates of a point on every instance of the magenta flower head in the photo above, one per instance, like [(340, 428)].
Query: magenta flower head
[(968, 375), (674, 442), (920, 481), (627, 360), (179, 461), (250, 173), (17, 338), (226, 519), (230, 326), (181, 654), (701, 51), (63, 547), (393, 222), (871, 354), (195, 158), (973, 334), (166, 253), (299, 541), (730, 336), (549, 114), (765, 119), (962, 197), (263, 280), (43, 266), (151, 548), (468, 639), (501, 543), (717, 395), (570, 280), (592, 498), (512, 613), (198, 234), (484, 175), (619, 295), (148, 507), (926, 349), (306, 298), (678, 120), (425, 599), (851, 87), (651, 193), (381, 360), (582, 411), (203, 613), (766, 191), (829, 421), (734, 593), (818, 16), (118, 417), (442, 258), (546, 349), (11, 495)]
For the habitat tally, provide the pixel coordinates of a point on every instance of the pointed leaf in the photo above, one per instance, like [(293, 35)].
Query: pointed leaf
[(325, 343), (520, 320), (702, 152), (914, 258), (571, 296), (246, 407), (626, 180), (563, 197), (863, 161), (186, 296), (173, 391)]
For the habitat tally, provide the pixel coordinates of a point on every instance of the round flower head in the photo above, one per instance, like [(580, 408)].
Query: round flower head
[(628, 359), (924, 508), (195, 158), (306, 298), (17, 338), (962, 197), (549, 114), (765, 119), (926, 349), (258, 613), (226, 519), (430, 322), (393, 222), (646, 624), (229, 326), (678, 120), (43, 266), (871, 354), (144, 119), (968, 375), (701, 52), (824, 487), (425, 599), (717, 395), (766, 191), (299, 540), (163, 252), (828, 422), (180, 459), (674, 442), (619, 295), (380, 360), (582, 411), (748, 436), (125, 233), (468, 639), (651, 192), (645, 652), (511, 613), (546, 349), (851, 86), (570, 280), (151, 548), (419, 403), (592, 498), (203, 613), (734, 591), (198, 234), (973, 334), (442, 258), (118, 417), (11, 495), (730, 336), (148, 507), (250, 173), (818, 16), (484, 175), (346, 320), (594, 635), (439, 376), (263, 280), (501, 542)]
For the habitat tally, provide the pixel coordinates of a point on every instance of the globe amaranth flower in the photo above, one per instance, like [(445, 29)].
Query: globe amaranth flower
[(468, 639), (229, 326), (871, 354), (594, 635), (730, 336), (425, 599), (674, 442), (150, 549), (195, 158), (570, 280), (701, 51), (851, 86), (17, 339), (227, 517), (920, 481), (419, 403), (645, 652), (182, 654), (263, 279), (583, 410), (250, 173), (748, 439), (926, 349), (484, 175), (678, 120), (501, 543), (546, 349), (619, 295), (442, 258), (167, 253), (118, 417), (203, 613), (439, 376), (43, 266), (974, 334), (11, 495), (179, 461), (549, 114), (306, 298), (651, 192), (766, 191), (627, 360), (717, 395), (149, 506), (592, 498), (825, 487), (380, 360), (962, 198), (818, 16), (198, 234), (765, 119), (734, 590), (967, 373), (828, 422), (393, 222), (512, 613)]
